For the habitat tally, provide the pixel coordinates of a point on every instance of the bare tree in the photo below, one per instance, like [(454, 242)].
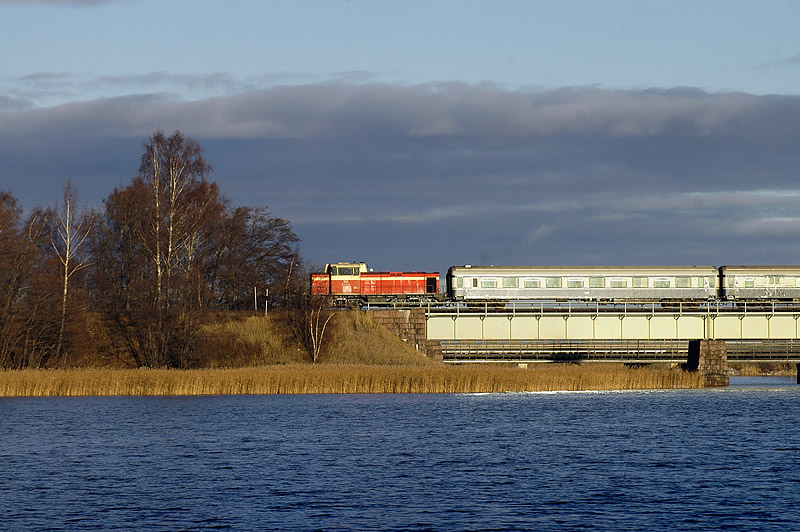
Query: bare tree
[(153, 251), (308, 320), (26, 333), (72, 228), (170, 248), (172, 167)]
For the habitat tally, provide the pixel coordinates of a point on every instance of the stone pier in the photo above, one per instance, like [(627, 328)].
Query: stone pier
[(710, 357), (410, 326)]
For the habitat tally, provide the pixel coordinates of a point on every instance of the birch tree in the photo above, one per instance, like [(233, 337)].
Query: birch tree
[(172, 167), (71, 227)]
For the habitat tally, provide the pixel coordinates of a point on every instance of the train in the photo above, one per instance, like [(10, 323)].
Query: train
[(356, 282)]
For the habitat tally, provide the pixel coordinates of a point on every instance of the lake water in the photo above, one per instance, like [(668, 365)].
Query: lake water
[(714, 459)]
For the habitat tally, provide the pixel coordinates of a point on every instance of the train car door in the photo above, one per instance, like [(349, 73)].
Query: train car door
[(430, 286)]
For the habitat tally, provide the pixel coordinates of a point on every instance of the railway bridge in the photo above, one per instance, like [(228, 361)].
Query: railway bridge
[(704, 337)]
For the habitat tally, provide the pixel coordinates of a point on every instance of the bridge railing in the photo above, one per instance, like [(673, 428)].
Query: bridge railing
[(591, 307)]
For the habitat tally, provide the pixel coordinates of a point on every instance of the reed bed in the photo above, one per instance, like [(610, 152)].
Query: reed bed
[(750, 369), (338, 378)]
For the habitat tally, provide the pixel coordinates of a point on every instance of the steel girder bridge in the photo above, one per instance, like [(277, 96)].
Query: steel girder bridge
[(629, 332)]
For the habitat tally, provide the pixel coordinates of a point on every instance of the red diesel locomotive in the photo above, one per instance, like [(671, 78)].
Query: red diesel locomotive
[(354, 282)]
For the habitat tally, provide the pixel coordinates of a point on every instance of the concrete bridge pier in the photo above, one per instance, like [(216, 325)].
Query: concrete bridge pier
[(710, 357)]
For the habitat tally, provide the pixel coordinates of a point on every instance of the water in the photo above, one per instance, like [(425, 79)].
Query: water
[(715, 459)]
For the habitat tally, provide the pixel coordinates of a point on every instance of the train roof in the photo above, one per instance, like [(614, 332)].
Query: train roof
[(545, 270), (760, 269)]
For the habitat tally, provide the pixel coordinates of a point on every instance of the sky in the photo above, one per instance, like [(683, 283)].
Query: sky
[(416, 135)]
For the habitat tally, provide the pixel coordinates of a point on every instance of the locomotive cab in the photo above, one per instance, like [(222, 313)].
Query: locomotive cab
[(345, 277)]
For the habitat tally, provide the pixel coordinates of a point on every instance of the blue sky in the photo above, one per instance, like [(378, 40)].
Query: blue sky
[(745, 46), (416, 135)]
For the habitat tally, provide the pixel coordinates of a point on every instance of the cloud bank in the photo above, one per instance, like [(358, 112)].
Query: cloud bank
[(424, 176)]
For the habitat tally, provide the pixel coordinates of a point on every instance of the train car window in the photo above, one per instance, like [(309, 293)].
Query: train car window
[(510, 282), (619, 283), (536, 283), (488, 283), (683, 282), (597, 282), (475, 282), (774, 279), (660, 282), (711, 282), (553, 282), (640, 282), (459, 282), (574, 283), (749, 282), (731, 282)]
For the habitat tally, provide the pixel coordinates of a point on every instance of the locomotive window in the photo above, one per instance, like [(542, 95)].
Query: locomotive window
[(488, 283), (536, 283), (574, 283), (510, 282), (619, 283), (597, 282), (553, 282), (660, 282), (683, 282), (640, 282), (345, 271), (333, 270)]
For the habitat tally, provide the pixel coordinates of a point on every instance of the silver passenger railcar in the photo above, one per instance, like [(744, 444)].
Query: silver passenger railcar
[(778, 283), (587, 283)]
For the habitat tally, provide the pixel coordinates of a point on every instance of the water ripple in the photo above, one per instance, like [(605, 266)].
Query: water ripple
[(688, 460)]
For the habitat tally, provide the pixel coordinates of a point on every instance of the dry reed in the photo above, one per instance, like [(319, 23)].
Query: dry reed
[(339, 378), (755, 369)]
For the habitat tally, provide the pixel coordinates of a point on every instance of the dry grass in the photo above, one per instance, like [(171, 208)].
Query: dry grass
[(336, 378), (351, 338), (265, 334), (356, 339)]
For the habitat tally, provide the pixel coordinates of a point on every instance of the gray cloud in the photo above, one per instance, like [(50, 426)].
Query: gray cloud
[(794, 60), (422, 111), (424, 176), (51, 88), (790, 62)]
